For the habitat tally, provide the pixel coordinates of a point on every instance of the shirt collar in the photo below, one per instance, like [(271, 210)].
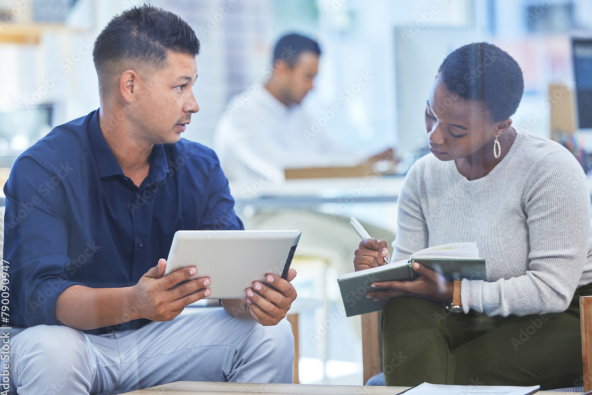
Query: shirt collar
[(108, 165), (274, 104), (104, 158), (159, 167)]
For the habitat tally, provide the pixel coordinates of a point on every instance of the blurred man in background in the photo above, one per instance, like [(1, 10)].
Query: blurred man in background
[(265, 131)]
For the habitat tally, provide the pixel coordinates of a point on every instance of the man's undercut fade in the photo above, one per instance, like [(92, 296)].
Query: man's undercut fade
[(142, 36), (483, 72), (289, 47)]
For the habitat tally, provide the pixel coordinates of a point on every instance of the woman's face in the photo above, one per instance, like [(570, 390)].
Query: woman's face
[(456, 127)]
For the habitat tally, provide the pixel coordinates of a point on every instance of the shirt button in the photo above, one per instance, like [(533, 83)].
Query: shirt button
[(141, 244)]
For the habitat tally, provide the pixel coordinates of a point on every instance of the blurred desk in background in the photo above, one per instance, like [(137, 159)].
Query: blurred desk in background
[(309, 193)]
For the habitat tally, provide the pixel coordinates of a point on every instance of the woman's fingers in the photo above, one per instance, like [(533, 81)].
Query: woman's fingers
[(388, 289), (391, 293), (383, 248), (427, 274), (429, 285), (370, 244), (396, 285), (371, 252), (361, 261)]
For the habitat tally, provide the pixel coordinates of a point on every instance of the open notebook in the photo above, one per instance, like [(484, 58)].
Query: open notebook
[(453, 261)]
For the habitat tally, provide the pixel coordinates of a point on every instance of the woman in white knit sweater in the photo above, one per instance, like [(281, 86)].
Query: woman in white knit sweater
[(525, 201)]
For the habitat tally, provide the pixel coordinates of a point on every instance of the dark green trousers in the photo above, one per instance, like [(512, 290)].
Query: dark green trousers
[(422, 342)]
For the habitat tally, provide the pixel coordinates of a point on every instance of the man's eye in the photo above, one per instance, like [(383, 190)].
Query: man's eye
[(430, 116), (180, 87)]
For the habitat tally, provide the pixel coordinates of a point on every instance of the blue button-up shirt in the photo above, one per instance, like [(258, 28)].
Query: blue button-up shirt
[(73, 217)]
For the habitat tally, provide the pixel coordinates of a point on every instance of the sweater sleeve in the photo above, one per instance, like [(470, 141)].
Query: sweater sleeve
[(556, 203), (412, 230)]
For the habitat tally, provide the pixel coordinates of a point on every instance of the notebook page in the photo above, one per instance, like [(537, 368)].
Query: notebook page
[(450, 251), (375, 269)]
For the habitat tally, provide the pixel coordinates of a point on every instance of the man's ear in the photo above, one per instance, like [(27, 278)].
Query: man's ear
[(127, 85), (280, 68), (503, 127)]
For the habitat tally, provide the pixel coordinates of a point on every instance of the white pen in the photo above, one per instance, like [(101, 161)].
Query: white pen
[(362, 232)]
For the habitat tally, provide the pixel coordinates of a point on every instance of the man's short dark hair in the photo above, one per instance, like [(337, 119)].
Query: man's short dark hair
[(484, 72), (144, 35), (290, 46)]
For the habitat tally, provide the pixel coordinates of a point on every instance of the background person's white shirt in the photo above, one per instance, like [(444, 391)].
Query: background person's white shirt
[(258, 137)]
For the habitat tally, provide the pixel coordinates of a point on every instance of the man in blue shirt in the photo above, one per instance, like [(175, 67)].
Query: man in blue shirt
[(92, 208)]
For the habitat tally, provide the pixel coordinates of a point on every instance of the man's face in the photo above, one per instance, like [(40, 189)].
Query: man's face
[(299, 79), (165, 106)]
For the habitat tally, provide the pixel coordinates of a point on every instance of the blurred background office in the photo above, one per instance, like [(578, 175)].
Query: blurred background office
[(378, 63)]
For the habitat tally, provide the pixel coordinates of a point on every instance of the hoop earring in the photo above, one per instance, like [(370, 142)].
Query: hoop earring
[(497, 148)]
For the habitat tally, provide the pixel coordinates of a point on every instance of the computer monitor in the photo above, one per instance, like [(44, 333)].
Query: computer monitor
[(582, 61)]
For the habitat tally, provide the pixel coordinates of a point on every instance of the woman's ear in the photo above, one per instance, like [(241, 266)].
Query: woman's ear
[(503, 127)]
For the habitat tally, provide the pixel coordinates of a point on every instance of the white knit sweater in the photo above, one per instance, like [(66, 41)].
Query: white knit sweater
[(530, 217)]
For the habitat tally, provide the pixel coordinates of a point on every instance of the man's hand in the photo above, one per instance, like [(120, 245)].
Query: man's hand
[(267, 306), (370, 253), (429, 285), (163, 298)]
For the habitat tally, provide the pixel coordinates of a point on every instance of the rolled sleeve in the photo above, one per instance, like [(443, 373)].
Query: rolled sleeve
[(36, 243)]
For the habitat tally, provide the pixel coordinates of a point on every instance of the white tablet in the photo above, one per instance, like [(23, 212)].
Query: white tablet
[(233, 259)]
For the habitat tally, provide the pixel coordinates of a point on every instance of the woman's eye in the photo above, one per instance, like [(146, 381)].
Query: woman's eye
[(430, 116), (454, 135)]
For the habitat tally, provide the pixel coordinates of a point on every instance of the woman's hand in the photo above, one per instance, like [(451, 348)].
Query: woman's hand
[(370, 253), (429, 285)]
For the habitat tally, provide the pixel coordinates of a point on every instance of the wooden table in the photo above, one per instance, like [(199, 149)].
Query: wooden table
[(197, 388)]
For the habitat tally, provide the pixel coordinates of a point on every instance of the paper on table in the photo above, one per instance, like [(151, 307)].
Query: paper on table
[(440, 389)]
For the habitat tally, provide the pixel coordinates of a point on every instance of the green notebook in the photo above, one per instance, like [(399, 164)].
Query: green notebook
[(454, 261)]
